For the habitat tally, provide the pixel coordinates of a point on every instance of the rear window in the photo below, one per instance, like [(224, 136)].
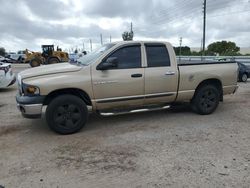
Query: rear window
[(157, 56)]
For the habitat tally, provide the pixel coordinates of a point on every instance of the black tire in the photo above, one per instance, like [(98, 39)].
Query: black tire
[(243, 77), (206, 100), (66, 114), (53, 60), (35, 62)]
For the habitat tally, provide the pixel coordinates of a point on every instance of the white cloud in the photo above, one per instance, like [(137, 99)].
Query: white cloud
[(70, 23)]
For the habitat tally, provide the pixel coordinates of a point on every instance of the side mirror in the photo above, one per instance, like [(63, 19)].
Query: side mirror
[(111, 62)]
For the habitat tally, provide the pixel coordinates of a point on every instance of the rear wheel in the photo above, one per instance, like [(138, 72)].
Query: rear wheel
[(206, 100), (35, 62), (53, 60), (66, 114)]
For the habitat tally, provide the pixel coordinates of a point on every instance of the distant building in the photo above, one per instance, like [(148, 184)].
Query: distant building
[(245, 51), (195, 49)]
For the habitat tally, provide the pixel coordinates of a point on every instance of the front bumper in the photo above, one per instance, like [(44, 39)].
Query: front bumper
[(32, 111), (30, 107)]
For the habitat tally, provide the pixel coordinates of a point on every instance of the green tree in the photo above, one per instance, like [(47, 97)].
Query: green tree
[(2, 51), (185, 50), (128, 36), (226, 48)]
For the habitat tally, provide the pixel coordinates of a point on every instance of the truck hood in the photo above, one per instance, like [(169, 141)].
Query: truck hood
[(49, 69)]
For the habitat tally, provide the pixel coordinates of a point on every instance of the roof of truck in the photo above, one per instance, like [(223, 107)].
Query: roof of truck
[(131, 42)]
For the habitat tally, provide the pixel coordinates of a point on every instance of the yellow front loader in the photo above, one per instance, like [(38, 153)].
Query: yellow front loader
[(48, 56)]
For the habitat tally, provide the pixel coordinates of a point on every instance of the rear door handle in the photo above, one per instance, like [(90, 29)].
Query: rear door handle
[(136, 75), (169, 73)]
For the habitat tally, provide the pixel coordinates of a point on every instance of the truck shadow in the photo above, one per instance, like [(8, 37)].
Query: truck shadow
[(126, 121), (98, 122), (9, 89)]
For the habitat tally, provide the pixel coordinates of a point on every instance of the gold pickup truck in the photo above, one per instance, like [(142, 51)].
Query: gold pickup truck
[(120, 78)]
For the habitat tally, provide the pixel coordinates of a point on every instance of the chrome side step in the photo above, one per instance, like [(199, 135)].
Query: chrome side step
[(114, 113)]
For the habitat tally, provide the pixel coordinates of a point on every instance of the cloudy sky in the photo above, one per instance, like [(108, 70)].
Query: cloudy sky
[(71, 23)]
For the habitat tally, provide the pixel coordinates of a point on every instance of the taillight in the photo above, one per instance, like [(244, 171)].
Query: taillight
[(5, 69)]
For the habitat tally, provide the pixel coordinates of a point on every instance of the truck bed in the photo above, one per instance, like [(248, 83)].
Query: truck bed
[(192, 74)]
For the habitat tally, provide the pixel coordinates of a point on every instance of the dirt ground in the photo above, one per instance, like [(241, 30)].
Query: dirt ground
[(170, 148)]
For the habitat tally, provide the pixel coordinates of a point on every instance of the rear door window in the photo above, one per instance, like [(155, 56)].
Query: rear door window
[(157, 55)]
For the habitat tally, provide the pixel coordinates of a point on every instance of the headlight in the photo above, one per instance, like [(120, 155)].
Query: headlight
[(19, 82), (30, 90), (19, 79)]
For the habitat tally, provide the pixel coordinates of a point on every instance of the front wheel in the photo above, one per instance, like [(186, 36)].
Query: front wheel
[(35, 62), (206, 100), (66, 114)]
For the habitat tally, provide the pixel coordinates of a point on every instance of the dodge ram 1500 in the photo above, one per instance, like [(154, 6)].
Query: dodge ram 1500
[(121, 77)]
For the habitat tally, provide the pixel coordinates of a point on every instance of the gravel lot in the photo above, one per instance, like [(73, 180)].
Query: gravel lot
[(170, 148)]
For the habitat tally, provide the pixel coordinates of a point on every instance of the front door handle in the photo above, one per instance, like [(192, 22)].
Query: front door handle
[(169, 73), (136, 75)]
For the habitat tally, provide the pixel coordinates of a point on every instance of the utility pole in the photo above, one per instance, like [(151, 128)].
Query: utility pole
[(110, 38), (131, 31), (90, 43), (201, 48), (83, 47), (204, 27), (180, 49), (101, 39)]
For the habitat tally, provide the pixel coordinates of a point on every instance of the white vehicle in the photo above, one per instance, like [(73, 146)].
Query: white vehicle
[(2, 59), (7, 78), (75, 57), (15, 57)]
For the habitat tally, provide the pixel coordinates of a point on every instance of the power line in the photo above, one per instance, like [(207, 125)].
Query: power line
[(165, 14), (171, 18), (229, 13), (169, 14), (165, 17), (189, 16)]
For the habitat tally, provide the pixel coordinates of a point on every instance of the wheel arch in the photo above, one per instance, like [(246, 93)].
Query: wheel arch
[(213, 81), (72, 91), (53, 57)]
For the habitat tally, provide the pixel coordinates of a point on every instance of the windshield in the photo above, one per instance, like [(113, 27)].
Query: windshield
[(91, 57)]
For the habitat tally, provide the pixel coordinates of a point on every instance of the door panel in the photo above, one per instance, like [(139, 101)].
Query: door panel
[(161, 78), (123, 86)]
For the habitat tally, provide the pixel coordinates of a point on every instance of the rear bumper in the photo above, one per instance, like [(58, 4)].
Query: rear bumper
[(30, 107)]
